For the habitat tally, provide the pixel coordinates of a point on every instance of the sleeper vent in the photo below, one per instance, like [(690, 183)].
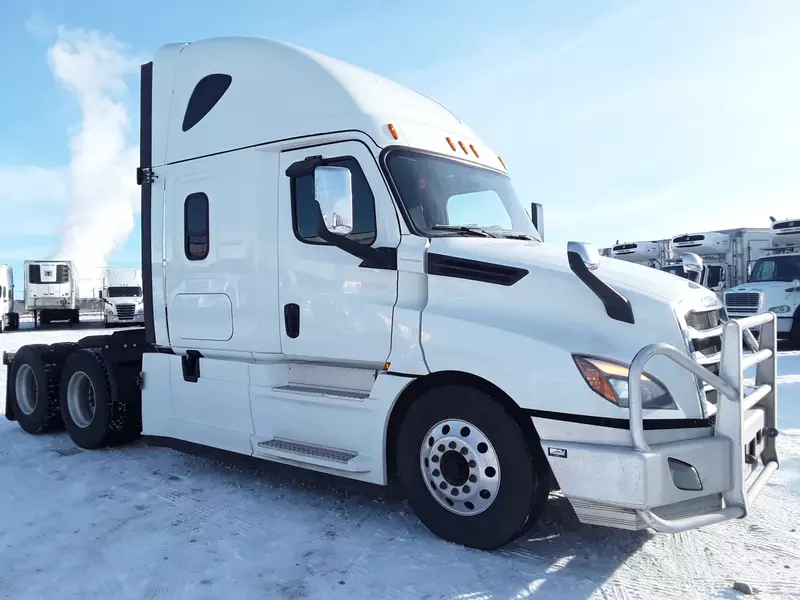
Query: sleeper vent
[(462, 268)]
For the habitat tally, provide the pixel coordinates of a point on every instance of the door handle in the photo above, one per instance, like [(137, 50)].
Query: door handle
[(291, 318)]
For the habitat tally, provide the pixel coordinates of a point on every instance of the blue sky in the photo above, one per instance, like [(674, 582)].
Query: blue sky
[(627, 119)]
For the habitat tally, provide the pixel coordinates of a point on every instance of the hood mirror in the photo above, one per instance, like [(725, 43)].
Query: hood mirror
[(588, 253), (692, 266)]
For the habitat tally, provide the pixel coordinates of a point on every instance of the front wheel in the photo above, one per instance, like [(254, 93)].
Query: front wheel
[(468, 470)]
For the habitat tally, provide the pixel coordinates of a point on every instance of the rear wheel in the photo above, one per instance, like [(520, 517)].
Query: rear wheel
[(36, 374), (468, 470), (99, 403)]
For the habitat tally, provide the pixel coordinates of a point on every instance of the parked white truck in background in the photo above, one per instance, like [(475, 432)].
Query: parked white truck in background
[(422, 330), (9, 319), (726, 255), (52, 291), (122, 297), (774, 283)]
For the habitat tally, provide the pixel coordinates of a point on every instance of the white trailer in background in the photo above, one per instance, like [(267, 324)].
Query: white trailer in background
[(122, 297), (727, 255), (9, 320), (51, 291), (650, 254), (774, 283), (429, 335)]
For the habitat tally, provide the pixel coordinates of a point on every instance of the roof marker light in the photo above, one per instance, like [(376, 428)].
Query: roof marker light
[(502, 163), (452, 145), (393, 131), (463, 147), (475, 152)]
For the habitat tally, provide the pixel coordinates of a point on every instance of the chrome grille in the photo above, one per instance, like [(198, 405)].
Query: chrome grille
[(709, 348), (126, 311), (742, 302)]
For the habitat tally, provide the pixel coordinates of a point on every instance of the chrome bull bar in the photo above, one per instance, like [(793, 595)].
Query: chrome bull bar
[(732, 406)]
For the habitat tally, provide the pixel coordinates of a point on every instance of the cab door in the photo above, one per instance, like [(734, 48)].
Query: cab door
[(336, 306)]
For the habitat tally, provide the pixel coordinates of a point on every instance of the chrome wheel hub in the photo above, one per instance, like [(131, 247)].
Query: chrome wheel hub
[(81, 399), (26, 389), (460, 466)]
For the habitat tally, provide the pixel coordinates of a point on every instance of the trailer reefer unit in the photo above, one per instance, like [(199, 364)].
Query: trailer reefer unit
[(339, 276), (122, 297), (774, 283), (727, 254), (651, 254), (51, 291), (9, 319)]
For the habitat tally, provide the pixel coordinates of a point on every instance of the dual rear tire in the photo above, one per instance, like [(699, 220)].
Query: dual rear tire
[(63, 386)]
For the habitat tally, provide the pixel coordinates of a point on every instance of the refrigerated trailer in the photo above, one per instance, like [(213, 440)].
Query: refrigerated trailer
[(654, 253), (773, 286), (122, 297), (727, 254), (340, 277), (9, 319), (51, 291)]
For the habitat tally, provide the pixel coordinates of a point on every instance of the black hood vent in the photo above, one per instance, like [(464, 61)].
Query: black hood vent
[(474, 270)]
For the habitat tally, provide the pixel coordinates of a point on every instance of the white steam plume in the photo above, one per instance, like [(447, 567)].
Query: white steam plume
[(102, 187)]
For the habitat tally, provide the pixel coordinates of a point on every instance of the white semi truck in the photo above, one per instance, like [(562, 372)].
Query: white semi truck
[(654, 253), (9, 319), (122, 297), (52, 291), (774, 283), (727, 255), (425, 333)]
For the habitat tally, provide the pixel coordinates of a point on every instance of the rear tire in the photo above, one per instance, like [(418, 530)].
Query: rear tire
[(100, 405), (36, 373), (13, 321), (497, 485)]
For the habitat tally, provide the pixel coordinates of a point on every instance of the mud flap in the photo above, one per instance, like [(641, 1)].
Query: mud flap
[(8, 358)]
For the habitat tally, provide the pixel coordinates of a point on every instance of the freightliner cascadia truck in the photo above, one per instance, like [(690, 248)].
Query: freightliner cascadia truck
[(339, 276)]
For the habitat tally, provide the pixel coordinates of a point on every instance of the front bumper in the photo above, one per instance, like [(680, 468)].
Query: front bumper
[(116, 320), (720, 475)]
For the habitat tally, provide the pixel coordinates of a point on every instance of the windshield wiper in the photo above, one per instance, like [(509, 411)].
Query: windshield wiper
[(477, 231)]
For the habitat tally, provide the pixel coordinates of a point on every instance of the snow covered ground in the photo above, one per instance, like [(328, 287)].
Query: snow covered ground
[(142, 522)]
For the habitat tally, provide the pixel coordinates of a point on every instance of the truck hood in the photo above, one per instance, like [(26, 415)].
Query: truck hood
[(534, 255), (762, 286)]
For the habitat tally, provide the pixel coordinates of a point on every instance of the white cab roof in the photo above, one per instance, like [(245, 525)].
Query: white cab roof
[(280, 91)]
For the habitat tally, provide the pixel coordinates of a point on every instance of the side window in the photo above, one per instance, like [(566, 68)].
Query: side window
[(305, 214), (195, 226), (714, 277)]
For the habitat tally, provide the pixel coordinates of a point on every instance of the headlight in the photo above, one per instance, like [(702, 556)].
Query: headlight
[(109, 310), (610, 380), (783, 308)]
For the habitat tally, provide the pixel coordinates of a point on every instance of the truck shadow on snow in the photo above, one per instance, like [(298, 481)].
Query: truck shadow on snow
[(559, 558)]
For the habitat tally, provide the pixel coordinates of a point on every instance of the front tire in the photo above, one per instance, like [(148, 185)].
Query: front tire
[(98, 403), (468, 470)]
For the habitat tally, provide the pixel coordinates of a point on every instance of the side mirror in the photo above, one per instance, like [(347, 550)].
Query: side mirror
[(750, 269), (333, 191), (100, 294), (693, 266), (537, 216)]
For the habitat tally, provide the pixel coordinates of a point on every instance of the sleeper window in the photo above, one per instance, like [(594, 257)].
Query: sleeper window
[(195, 220), (305, 214)]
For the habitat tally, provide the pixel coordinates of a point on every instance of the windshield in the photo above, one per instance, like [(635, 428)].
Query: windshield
[(776, 268), (127, 291), (442, 195)]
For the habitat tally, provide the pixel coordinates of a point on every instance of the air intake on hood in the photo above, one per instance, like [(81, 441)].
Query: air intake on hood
[(475, 270)]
